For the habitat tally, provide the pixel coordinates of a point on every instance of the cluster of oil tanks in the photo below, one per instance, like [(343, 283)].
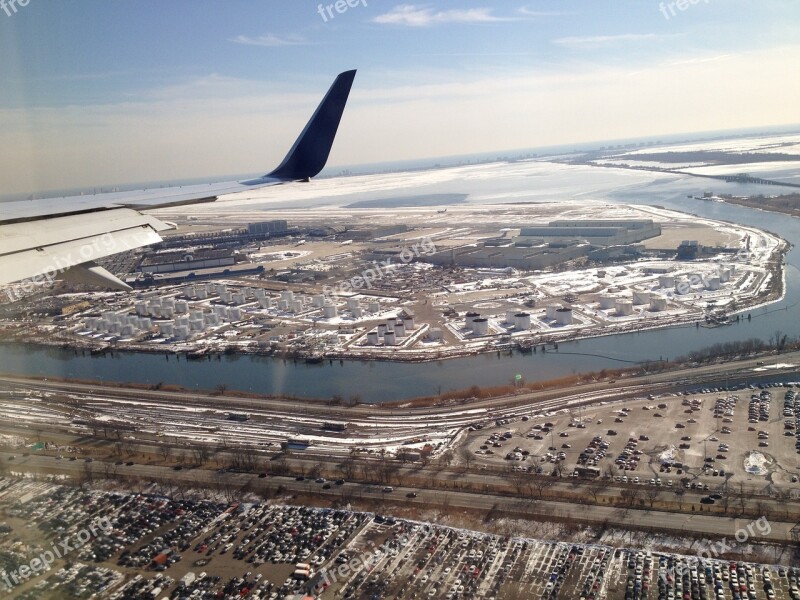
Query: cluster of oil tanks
[(478, 325), (562, 315), (391, 332), (115, 324)]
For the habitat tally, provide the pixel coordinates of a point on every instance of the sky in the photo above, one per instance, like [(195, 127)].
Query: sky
[(99, 92)]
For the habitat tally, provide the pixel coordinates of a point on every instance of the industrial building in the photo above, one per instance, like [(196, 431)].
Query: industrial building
[(559, 241), (268, 227), (599, 233), (517, 257), (371, 233), (204, 258)]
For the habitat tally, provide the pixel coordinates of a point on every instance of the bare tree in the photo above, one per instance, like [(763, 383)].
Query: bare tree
[(447, 457), (540, 483), (652, 493), (466, 456)]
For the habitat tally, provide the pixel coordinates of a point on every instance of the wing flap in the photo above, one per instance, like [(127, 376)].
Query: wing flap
[(64, 243), (47, 232)]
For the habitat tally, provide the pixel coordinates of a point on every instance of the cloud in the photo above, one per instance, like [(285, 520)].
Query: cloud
[(270, 40), (589, 41), (529, 12), (411, 15)]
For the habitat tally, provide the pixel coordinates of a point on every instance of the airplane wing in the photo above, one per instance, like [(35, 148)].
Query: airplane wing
[(63, 237)]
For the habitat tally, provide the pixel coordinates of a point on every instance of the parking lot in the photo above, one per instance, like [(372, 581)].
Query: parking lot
[(158, 547), (744, 439)]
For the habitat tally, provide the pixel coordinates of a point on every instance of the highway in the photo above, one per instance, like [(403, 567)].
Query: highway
[(686, 525)]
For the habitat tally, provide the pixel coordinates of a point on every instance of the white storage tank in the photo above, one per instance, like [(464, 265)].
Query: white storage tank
[(297, 306), (522, 321), (167, 312), (510, 314), (225, 297), (265, 302), (222, 311), (469, 318), (480, 326), (182, 321), (127, 330), (181, 306), (197, 324), (713, 283), (399, 329), (550, 312), (168, 303), (564, 316), (202, 294), (682, 286), (287, 295), (408, 323), (666, 281), (190, 291), (261, 293), (381, 329), (374, 307), (283, 305), (156, 311), (211, 318), (641, 297), (318, 301), (329, 311), (238, 298), (182, 332), (624, 308), (358, 312), (145, 323), (352, 303), (372, 338), (167, 328), (141, 309), (658, 303), (389, 339), (724, 275), (607, 301), (222, 288), (235, 314)]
